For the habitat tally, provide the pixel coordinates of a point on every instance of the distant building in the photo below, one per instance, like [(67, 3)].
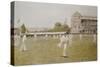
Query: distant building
[(83, 24)]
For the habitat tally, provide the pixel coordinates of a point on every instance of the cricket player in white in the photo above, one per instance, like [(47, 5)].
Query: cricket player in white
[(23, 45), (64, 42), (94, 38)]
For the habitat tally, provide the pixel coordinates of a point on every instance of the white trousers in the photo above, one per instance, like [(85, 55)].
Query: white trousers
[(64, 46), (23, 46), (64, 50)]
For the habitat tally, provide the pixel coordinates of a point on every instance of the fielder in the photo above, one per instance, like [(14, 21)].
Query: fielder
[(23, 45), (64, 42)]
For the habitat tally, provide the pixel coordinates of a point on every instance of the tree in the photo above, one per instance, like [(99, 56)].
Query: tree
[(23, 28), (66, 28), (58, 27), (57, 24)]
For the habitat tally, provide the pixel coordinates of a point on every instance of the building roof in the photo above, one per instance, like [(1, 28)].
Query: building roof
[(76, 14)]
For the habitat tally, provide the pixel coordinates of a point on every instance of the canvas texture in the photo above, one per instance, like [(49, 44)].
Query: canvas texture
[(48, 33)]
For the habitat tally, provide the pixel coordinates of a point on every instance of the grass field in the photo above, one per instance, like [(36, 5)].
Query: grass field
[(46, 51)]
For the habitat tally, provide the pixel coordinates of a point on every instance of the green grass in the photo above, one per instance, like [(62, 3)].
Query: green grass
[(45, 51)]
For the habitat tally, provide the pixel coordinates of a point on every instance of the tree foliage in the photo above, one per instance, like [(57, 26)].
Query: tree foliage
[(23, 28), (58, 27), (58, 24)]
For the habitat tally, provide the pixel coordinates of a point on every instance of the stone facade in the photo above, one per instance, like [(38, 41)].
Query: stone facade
[(83, 24)]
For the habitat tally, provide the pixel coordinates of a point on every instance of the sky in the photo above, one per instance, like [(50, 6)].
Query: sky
[(45, 15)]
